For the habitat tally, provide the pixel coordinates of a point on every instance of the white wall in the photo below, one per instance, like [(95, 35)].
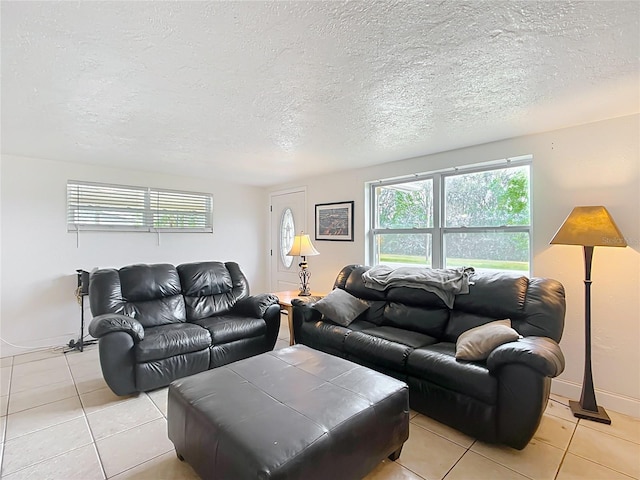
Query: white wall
[(594, 164), (39, 257)]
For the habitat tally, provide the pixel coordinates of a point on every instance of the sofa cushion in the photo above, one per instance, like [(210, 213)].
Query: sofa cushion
[(228, 328), (211, 288), (429, 321), (361, 324), (496, 295), (399, 335), (140, 283), (377, 350), (479, 342), (375, 312), (340, 307), (204, 278), (460, 322), (438, 364), (353, 284), (415, 296), (161, 372), (154, 313), (152, 294), (169, 340)]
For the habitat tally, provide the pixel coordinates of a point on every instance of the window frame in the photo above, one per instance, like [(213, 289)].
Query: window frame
[(438, 231), (148, 209)]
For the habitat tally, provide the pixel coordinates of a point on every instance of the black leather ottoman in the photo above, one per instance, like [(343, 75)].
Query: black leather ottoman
[(294, 413)]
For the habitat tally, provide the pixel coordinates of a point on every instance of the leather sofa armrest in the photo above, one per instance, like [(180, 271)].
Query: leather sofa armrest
[(542, 354), (303, 309), (256, 305), (113, 322)]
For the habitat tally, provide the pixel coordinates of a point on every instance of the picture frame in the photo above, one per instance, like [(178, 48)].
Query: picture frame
[(334, 221)]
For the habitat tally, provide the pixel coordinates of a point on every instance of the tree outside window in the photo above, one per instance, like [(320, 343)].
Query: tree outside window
[(479, 218)]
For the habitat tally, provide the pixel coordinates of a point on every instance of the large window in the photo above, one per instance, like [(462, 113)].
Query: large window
[(478, 217), (97, 206)]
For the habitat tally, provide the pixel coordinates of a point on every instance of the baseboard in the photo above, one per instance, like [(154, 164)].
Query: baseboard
[(613, 401)]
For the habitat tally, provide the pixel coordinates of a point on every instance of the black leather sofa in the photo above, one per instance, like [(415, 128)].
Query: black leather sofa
[(410, 334), (157, 323)]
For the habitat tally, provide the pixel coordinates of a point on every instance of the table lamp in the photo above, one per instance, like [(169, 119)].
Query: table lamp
[(302, 247)]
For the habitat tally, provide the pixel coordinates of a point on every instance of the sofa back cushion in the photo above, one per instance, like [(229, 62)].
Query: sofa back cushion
[(429, 321), (408, 308), (497, 295), (544, 310), (460, 322), (149, 293), (211, 288), (350, 279), (535, 306)]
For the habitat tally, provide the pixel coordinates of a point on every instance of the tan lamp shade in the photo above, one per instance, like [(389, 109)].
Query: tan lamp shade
[(302, 247), (590, 227)]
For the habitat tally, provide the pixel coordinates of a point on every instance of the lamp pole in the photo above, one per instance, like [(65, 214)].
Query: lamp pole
[(588, 408)]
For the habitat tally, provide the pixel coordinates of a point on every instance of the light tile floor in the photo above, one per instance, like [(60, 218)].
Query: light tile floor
[(59, 420)]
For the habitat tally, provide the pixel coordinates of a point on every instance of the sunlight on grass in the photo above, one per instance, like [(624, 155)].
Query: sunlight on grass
[(458, 262)]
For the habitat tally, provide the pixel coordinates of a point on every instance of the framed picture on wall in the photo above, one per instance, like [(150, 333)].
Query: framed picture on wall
[(334, 221)]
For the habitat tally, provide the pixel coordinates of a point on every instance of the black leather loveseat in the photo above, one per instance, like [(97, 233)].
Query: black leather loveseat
[(158, 322), (410, 334)]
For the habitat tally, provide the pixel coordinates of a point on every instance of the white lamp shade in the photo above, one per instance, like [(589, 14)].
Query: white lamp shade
[(302, 247)]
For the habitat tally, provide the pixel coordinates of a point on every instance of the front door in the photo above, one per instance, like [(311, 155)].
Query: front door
[(288, 218)]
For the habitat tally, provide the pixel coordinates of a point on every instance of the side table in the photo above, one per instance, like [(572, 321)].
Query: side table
[(285, 305)]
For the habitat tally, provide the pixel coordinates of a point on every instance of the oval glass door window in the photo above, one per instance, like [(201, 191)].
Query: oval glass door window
[(287, 232)]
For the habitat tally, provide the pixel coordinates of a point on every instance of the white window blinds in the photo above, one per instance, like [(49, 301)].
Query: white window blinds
[(97, 206)]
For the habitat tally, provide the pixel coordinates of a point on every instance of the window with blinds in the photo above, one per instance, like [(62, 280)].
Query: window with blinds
[(98, 206)]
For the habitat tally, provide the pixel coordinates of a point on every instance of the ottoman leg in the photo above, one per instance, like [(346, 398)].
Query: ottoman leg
[(395, 455)]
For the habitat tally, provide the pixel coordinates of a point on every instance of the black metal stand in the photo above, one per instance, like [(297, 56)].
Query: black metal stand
[(587, 408), (80, 343), (304, 275)]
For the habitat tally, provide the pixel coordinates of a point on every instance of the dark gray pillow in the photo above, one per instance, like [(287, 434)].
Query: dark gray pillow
[(341, 307)]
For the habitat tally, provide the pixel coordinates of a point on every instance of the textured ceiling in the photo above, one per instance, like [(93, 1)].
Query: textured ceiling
[(267, 92)]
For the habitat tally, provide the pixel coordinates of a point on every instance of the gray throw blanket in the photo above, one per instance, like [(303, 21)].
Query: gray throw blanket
[(446, 283)]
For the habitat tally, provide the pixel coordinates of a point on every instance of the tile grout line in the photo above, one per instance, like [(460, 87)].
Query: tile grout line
[(95, 442), (39, 430), (86, 420), (495, 461), (441, 435), (590, 427), (42, 404), (594, 461), (506, 466), (37, 406), (6, 421), (457, 461), (50, 458), (139, 464), (84, 415)]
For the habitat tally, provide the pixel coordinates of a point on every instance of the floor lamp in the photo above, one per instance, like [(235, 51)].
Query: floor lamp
[(302, 247), (589, 227)]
